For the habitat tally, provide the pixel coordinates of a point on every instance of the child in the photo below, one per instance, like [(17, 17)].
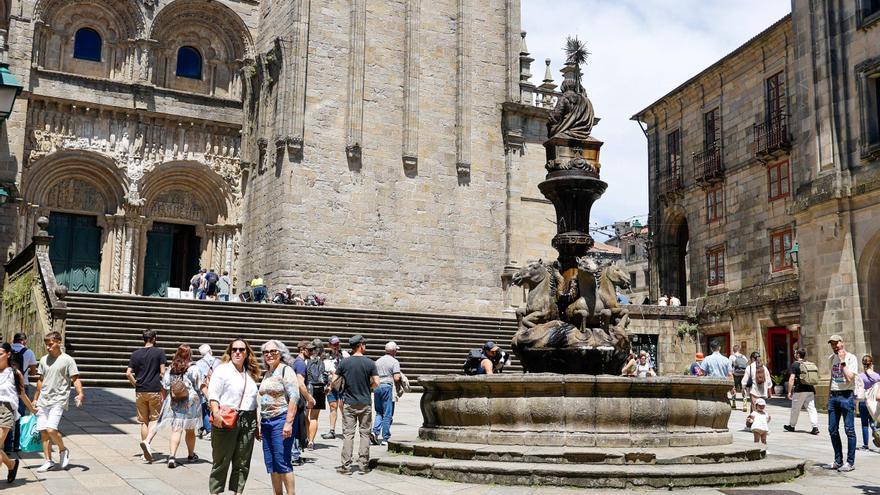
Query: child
[(759, 422)]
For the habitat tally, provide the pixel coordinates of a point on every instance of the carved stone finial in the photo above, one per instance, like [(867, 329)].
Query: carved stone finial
[(523, 50), (61, 291), (548, 75), (43, 224)]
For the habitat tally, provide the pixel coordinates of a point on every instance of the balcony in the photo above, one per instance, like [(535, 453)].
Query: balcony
[(708, 167), (671, 185), (771, 138)]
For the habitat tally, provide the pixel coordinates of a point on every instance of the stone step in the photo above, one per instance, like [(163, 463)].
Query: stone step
[(772, 469)]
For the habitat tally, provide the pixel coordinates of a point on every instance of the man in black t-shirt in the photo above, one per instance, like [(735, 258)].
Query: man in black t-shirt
[(800, 395), (145, 370), (361, 377)]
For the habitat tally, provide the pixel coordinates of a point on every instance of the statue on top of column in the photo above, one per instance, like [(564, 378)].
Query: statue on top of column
[(572, 118)]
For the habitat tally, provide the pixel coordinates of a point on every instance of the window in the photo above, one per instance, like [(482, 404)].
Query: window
[(189, 62), (779, 183), (632, 280), (673, 153), (715, 266), (647, 277), (776, 99), (715, 203), (711, 130), (868, 13), (87, 45), (868, 84), (780, 245), (631, 251)]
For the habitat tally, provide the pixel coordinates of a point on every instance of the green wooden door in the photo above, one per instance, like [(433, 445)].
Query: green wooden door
[(157, 263), (75, 251)]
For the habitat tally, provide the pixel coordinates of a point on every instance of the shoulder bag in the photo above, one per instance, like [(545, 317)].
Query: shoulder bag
[(228, 415)]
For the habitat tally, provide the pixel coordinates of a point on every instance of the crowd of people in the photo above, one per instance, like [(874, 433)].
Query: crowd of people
[(208, 285)]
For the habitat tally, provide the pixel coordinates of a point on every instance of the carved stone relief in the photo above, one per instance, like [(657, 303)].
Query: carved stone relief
[(177, 204), (75, 194)]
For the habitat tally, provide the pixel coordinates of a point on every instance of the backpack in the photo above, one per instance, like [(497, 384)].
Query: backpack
[(17, 359), (809, 373), (472, 363), (179, 392), (315, 371), (760, 376), (740, 363), (211, 277)]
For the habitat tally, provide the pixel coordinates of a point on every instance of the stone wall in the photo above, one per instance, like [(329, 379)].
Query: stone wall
[(674, 353)]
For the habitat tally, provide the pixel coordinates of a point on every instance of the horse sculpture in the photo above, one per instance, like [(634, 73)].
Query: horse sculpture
[(596, 303), (542, 280)]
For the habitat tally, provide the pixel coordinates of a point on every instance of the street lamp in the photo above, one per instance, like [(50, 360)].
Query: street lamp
[(9, 91), (793, 254)]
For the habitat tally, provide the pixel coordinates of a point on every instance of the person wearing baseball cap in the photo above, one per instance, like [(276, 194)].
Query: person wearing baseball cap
[(487, 364), (696, 368), (334, 398), (360, 377), (383, 396), (841, 403)]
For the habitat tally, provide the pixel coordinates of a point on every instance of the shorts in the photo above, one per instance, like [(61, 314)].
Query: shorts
[(320, 397), (6, 416), (276, 449), (211, 289), (333, 396), (49, 418), (148, 405)]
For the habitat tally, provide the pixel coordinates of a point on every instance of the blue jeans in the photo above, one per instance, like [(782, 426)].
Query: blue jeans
[(277, 450), (224, 297), (868, 425), (842, 406), (296, 448), (206, 417), (383, 404), (260, 293)]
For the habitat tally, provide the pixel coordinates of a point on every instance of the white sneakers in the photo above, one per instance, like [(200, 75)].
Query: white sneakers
[(847, 467), (65, 458), (148, 452), (48, 465)]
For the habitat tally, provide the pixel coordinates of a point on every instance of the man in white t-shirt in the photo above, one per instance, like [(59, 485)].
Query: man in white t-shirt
[(844, 367), (334, 399)]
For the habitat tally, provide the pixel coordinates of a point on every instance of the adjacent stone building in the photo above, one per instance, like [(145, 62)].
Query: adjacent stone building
[(630, 238), (773, 147)]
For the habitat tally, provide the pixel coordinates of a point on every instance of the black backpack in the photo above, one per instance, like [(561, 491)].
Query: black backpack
[(472, 363), (315, 371), (17, 359)]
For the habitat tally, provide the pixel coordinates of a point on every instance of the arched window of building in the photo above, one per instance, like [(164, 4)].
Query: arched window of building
[(189, 63), (87, 45)]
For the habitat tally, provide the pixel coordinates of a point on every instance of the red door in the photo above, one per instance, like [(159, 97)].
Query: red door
[(778, 357)]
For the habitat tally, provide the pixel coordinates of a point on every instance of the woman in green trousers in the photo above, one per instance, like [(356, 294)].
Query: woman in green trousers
[(233, 384)]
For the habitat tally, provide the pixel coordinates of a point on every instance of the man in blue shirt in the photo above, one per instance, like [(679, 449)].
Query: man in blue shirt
[(716, 365)]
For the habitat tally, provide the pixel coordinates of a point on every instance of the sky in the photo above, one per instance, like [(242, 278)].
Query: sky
[(640, 51)]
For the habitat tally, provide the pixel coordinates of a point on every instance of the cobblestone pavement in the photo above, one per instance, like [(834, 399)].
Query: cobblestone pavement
[(103, 439)]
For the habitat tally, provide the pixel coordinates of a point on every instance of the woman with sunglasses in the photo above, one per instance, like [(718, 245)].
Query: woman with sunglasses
[(11, 391), (279, 393), (233, 386)]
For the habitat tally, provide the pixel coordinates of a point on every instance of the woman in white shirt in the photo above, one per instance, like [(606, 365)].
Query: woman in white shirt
[(11, 391), (233, 385), (756, 372)]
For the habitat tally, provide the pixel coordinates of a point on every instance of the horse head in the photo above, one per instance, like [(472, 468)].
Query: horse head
[(587, 264), (616, 276), (531, 274)]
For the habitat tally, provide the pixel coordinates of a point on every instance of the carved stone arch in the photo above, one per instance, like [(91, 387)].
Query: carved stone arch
[(70, 180), (125, 13), (187, 191), (674, 257), (869, 291), (213, 17)]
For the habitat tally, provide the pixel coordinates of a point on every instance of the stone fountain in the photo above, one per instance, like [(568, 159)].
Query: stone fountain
[(570, 419)]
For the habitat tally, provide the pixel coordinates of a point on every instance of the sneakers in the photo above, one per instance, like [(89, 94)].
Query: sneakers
[(297, 462), (65, 458), (834, 465), (311, 446), (330, 435), (10, 477), (148, 453), (383, 443), (788, 427), (172, 463), (846, 468), (363, 469), (374, 439), (343, 470), (815, 431), (47, 466), (192, 458)]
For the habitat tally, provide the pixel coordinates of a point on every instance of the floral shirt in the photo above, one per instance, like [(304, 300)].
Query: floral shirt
[(277, 390)]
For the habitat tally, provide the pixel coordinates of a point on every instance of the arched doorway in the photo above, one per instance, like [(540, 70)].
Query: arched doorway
[(870, 290), (674, 260)]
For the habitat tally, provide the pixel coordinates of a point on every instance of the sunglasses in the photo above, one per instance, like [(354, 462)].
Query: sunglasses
[(271, 352), (240, 350)]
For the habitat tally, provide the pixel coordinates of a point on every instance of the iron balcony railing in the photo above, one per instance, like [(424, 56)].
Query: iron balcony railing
[(671, 184), (772, 136), (708, 166)]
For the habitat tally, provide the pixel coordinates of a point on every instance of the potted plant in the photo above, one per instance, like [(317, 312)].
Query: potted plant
[(778, 389)]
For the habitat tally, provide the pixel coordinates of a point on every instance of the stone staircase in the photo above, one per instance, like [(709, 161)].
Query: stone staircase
[(102, 330)]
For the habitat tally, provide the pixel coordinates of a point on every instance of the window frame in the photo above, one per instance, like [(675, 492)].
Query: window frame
[(633, 279), (201, 60), (712, 129), (864, 17), (673, 153), (778, 240), (78, 55), (868, 88), (715, 258), (775, 99), (715, 203), (779, 188)]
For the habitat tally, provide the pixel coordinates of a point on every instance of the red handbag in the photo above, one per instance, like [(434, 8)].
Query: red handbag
[(228, 415)]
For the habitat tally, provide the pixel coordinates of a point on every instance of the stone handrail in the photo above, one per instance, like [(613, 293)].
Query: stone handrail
[(32, 298)]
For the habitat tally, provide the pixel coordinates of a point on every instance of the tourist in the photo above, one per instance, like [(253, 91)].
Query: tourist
[(801, 395), (258, 289), (197, 283), (145, 371), (232, 395), (306, 401), (57, 372), (206, 365), (12, 392), (211, 279), (716, 365), (629, 369), (24, 360), (224, 286), (869, 377), (696, 368), (360, 377), (487, 364), (621, 299), (738, 363), (182, 410), (279, 393), (663, 301), (643, 369), (334, 398), (756, 380), (674, 301), (319, 381), (388, 368), (844, 366), (759, 422)]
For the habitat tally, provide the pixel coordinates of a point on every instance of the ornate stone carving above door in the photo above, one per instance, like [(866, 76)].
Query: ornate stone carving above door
[(75, 194), (177, 204)]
